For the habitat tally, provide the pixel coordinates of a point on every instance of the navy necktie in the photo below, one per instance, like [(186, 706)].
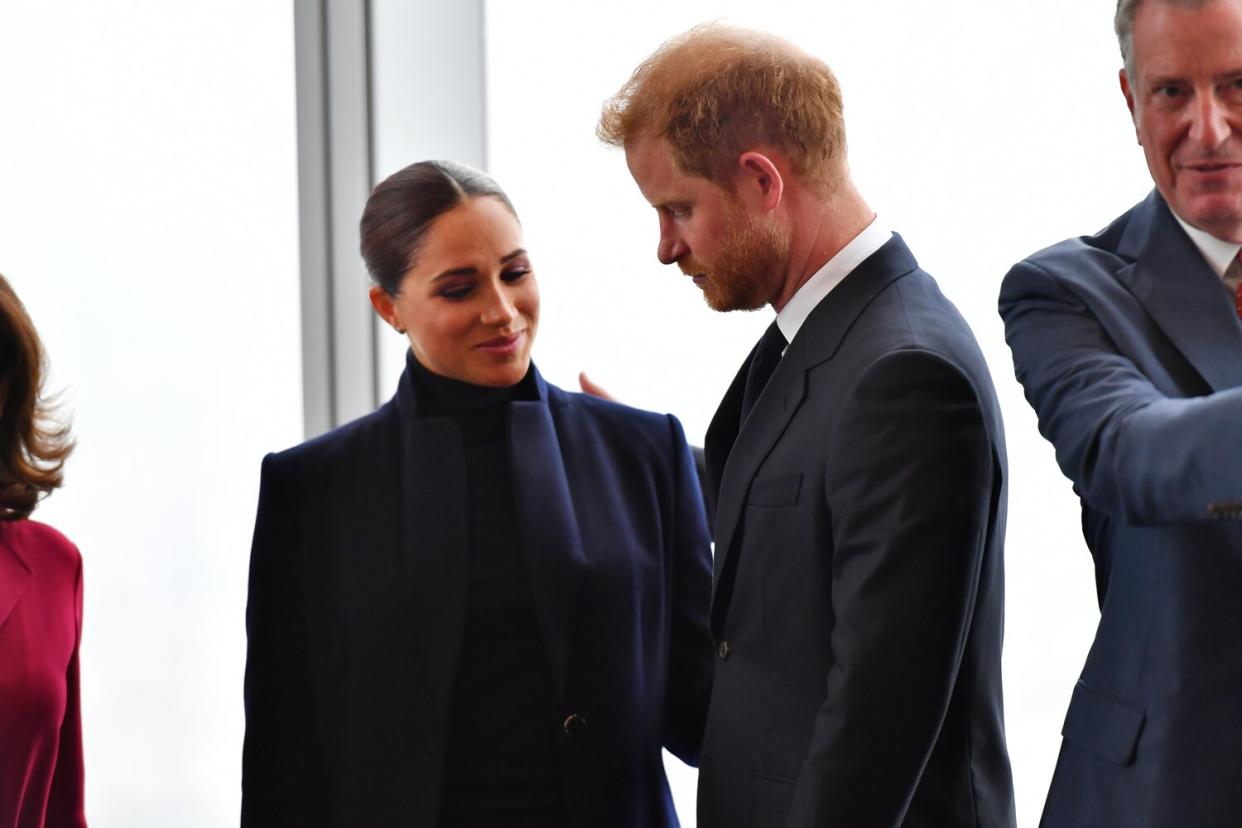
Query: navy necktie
[(767, 356)]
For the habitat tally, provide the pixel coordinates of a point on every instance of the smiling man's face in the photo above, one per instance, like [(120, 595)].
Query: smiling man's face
[(1186, 101)]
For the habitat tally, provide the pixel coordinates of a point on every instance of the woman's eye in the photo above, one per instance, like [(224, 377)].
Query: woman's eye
[(456, 293), (515, 275)]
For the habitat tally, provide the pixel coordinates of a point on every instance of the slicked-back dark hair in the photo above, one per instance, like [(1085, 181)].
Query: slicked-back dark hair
[(403, 206), (33, 447)]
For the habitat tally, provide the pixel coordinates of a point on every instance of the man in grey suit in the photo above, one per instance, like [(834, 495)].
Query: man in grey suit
[(857, 460), (1129, 347)]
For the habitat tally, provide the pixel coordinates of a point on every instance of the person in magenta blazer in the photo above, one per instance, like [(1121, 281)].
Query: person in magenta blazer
[(40, 599), (483, 605)]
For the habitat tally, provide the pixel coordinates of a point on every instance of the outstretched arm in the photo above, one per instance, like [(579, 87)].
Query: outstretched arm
[(1132, 451)]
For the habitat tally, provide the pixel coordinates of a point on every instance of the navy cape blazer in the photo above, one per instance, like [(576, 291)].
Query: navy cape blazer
[(358, 582)]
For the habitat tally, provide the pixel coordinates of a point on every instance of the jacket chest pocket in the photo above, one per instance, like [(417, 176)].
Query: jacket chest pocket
[(774, 492)]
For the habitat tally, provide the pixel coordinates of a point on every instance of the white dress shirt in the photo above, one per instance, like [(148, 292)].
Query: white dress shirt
[(812, 292), (1219, 255)]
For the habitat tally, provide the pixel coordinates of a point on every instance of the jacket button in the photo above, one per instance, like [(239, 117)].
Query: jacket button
[(573, 724), (723, 650)]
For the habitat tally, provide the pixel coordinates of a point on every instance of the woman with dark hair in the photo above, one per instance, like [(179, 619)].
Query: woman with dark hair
[(40, 598), (484, 604)]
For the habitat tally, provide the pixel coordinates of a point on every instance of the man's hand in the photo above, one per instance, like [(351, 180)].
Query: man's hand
[(589, 387)]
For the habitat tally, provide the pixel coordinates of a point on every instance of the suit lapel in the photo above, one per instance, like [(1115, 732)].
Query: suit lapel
[(722, 432), (550, 532), (436, 536), (1182, 294), (817, 341), (15, 577), (755, 438)]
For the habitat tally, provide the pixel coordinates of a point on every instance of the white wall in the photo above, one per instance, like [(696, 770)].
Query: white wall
[(427, 94), (981, 130), (148, 219)]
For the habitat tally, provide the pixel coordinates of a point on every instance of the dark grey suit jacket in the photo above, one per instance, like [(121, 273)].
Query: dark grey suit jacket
[(858, 583), (1130, 351)]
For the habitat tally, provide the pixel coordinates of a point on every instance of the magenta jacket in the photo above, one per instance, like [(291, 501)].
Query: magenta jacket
[(40, 717)]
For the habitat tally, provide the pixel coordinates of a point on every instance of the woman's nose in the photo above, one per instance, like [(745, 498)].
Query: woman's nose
[(500, 309)]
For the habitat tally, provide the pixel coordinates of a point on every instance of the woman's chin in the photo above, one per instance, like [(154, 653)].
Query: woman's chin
[(501, 376)]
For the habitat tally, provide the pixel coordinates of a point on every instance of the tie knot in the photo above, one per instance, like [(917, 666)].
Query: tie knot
[(772, 343)]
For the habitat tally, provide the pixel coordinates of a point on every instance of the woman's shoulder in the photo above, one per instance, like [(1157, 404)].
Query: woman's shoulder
[(622, 421), (40, 545), (588, 405), (372, 430)]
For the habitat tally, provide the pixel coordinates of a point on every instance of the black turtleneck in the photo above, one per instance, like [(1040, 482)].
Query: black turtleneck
[(502, 760)]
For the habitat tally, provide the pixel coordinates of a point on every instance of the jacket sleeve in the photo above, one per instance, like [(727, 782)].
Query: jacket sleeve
[(910, 495), (278, 757), (690, 582), (66, 799), (1132, 451)]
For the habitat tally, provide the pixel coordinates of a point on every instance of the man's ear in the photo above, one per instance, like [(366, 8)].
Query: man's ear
[(1124, 80), (383, 304), (758, 181)]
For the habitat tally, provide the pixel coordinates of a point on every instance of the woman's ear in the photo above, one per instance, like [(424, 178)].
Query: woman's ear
[(386, 308)]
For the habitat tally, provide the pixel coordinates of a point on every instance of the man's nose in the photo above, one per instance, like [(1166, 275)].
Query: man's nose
[(671, 247), (1210, 124)]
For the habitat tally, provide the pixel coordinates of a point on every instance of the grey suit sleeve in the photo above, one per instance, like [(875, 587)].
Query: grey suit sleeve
[(1132, 451)]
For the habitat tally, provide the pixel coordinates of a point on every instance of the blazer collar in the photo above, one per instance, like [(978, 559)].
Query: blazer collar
[(407, 397), (15, 576), (551, 536), (735, 451), (1181, 293), (436, 538)]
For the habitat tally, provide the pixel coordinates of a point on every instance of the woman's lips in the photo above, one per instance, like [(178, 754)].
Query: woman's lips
[(502, 345)]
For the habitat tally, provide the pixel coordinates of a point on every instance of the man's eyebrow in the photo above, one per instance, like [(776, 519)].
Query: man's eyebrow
[(1164, 80)]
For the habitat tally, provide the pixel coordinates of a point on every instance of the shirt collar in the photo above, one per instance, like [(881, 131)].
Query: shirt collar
[(812, 292), (1218, 254)]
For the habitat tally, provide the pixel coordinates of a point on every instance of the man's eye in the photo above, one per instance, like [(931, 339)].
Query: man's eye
[(515, 275), (1167, 91)]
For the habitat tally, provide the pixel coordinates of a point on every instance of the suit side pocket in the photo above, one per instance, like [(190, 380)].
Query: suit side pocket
[(1103, 726)]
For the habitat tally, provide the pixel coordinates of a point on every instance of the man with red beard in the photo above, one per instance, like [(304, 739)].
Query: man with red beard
[(857, 460)]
